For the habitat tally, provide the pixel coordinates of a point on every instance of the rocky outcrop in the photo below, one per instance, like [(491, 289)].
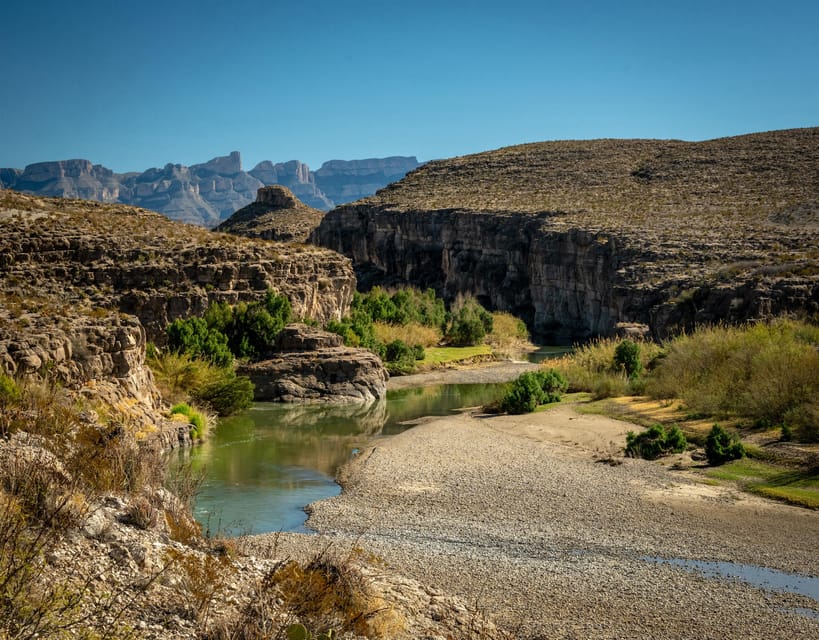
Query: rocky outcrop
[(310, 365), (87, 256), (297, 177), (276, 215), (207, 193), (576, 237)]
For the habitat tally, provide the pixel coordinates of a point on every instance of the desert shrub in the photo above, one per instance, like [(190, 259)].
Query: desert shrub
[(531, 389), (225, 393), (721, 446), (182, 378), (508, 332), (627, 357), (254, 326), (655, 442), (767, 374), (552, 383), (469, 324), (594, 367)]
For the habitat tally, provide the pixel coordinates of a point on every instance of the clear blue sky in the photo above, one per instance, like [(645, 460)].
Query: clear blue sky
[(133, 85)]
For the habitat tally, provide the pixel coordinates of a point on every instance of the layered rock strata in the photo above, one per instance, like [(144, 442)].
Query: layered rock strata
[(578, 237), (309, 365), (276, 215), (91, 256)]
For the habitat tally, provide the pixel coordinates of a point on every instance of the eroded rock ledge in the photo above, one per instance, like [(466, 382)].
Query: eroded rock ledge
[(277, 215), (310, 365)]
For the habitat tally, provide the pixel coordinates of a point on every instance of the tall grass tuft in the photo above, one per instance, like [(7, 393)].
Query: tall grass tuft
[(597, 367)]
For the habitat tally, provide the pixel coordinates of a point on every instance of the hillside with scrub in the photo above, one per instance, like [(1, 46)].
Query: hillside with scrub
[(578, 236)]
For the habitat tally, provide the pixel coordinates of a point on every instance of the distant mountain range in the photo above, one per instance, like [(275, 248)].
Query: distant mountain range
[(206, 194)]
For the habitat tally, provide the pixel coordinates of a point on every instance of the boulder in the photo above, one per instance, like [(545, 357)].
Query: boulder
[(310, 365)]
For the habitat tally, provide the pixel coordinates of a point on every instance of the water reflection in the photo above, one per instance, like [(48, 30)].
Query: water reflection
[(265, 464)]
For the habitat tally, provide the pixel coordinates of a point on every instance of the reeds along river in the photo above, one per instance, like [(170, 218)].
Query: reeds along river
[(263, 466)]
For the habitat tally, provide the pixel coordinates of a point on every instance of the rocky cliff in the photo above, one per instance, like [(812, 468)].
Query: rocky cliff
[(578, 236), (276, 215), (207, 193), (92, 256)]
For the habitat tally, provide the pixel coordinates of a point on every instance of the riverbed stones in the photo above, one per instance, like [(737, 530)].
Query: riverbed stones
[(311, 365)]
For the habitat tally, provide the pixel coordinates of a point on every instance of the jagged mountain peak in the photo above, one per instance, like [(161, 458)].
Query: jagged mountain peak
[(210, 192)]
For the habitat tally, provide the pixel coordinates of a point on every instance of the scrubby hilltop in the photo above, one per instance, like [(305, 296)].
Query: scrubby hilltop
[(578, 236)]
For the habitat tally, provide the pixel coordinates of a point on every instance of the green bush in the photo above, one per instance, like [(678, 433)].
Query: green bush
[(531, 389), (193, 337), (402, 306), (553, 384), (225, 394), (9, 391), (721, 446), (627, 357), (399, 358), (655, 442), (524, 394), (469, 324)]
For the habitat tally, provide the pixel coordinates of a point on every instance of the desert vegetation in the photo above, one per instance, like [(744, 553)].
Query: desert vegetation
[(763, 375), (532, 389), (407, 328)]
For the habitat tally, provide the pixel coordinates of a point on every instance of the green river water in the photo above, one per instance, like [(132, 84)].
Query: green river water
[(263, 466)]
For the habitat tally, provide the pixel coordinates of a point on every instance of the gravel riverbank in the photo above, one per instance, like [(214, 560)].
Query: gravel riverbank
[(519, 515)]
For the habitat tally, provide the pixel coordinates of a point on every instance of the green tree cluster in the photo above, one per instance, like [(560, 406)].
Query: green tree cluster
[(245, 330), (469, 324)]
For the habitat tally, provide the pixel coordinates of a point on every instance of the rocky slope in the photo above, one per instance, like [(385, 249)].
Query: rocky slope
[(275, 215), (578, 236), (207, 193), (87, 256)]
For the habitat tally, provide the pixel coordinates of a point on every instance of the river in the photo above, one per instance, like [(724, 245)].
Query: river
[(264, 465)]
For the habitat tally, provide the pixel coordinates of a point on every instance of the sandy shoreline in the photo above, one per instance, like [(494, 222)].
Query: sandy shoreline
[(484, 373), (518, 515)]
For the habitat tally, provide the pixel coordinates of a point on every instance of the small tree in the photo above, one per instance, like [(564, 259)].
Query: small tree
[(627, 357), (721, 446)]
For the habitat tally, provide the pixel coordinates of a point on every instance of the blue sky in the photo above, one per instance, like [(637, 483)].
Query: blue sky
[(133, 85)]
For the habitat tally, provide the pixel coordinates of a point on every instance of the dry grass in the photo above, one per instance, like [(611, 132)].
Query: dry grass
[(412, 333)]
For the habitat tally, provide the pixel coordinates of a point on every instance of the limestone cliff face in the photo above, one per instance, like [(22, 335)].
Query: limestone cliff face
[(719, 231), (96, 256)]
